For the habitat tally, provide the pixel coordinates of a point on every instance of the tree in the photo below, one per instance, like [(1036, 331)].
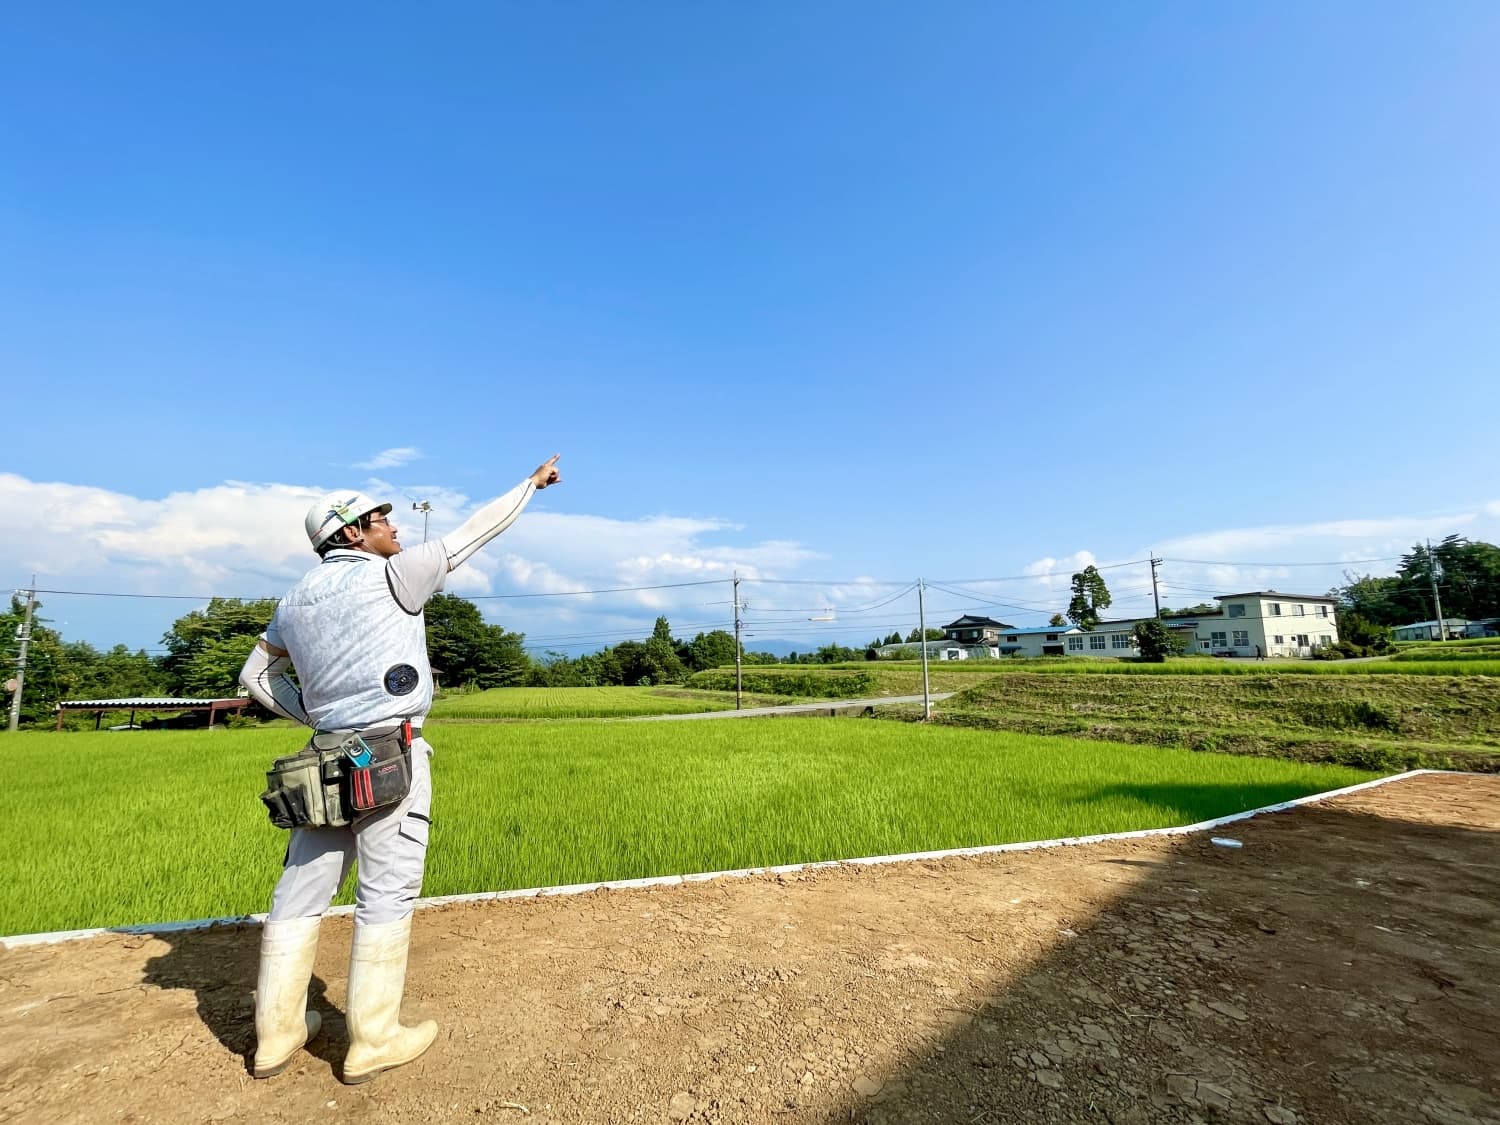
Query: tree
[(1190, 611), (664, 664), (709, 650), (1157, 642), (1362, 634), (465, 650), (932, 635), (207, 647), (1057, 619), (116, 674), (836, 654), (1467, 575), (1090, 595)]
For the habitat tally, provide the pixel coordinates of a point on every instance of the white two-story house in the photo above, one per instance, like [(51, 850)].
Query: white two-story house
[(1271, 622)]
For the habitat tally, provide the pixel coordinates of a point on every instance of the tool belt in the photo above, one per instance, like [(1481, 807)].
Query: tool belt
[(340, 776)]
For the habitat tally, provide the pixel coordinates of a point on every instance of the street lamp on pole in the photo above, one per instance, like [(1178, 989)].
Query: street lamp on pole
[(425, 508)]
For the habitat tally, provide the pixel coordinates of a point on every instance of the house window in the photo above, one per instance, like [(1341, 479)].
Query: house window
[(1220, 640), (1301, 611), (1236, 611), (1241, 638), (1275, 609), (1075, 644), (1011, 640), (1122, 640), (1097, 640), (1324, 639), (1322, 611), (1052, 636), (1302, 639), (1278, 639)]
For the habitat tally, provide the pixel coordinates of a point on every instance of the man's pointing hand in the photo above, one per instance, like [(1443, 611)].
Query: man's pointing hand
[(546, 473)]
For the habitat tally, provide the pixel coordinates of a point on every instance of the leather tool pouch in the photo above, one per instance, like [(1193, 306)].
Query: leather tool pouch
[(322, 787)]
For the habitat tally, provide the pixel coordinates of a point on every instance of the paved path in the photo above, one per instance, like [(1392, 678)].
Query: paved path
[(827, 707)]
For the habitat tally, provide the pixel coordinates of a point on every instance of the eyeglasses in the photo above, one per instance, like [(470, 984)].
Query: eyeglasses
[(373, 520)]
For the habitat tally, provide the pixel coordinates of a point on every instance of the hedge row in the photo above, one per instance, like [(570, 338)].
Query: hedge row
[(789, 681)]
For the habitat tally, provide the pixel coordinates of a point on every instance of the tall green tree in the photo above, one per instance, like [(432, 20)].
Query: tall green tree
[(710, 650), (467, 651), (207, 647), (1467, 575), (1157, 642), (1090, 596)]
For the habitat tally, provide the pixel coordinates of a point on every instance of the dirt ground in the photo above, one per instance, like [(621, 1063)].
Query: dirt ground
[(1343, 966)]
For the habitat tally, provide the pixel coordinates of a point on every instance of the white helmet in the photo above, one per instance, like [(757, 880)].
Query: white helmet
[(336, 510)]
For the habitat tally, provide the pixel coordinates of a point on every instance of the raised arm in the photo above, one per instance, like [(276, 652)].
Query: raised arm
[(264, 676), (497, 515)]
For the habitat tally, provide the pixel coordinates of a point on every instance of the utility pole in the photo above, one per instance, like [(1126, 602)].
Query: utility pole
[(23, 634), (424, 507), (1436, 601), (922, 632), (737, 646), (1155, 597)]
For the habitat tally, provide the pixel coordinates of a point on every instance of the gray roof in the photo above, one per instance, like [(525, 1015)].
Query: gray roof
[(1277, 594)]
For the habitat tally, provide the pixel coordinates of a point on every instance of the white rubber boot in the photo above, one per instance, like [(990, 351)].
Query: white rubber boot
[(283, 1022), (377, 977)]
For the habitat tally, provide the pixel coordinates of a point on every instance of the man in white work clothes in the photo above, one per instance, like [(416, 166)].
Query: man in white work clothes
[(353, 629)]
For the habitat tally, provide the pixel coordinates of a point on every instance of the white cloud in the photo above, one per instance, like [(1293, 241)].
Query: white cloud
[(390, 458), (244, 539)]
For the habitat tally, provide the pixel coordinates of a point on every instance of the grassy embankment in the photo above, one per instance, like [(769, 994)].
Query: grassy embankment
[(1407, 711), (1376, 721), (112, 829)]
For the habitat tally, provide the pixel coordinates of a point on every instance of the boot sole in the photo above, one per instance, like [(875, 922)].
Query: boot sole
[(276, 1068), (366, 1076)]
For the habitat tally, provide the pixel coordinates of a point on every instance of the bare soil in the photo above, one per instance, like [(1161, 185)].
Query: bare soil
[(1342, 966)]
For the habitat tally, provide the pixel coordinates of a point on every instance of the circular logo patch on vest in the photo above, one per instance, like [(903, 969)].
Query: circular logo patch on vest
[(401, 679)]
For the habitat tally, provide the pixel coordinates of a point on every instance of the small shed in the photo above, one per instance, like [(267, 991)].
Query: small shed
[(99, 706)]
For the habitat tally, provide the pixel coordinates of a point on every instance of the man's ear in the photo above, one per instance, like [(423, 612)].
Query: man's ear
[(352, 534)]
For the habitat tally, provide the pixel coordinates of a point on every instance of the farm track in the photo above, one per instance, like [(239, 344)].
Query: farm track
[(1341, 967)]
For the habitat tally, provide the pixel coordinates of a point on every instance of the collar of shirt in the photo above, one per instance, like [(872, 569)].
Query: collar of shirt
[(348, 554)]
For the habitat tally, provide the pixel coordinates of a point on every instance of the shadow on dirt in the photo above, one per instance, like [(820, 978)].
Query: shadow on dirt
[(220, 965), (1337, 967)]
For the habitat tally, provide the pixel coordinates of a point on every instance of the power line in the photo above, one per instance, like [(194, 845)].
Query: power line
[(1228, 562)]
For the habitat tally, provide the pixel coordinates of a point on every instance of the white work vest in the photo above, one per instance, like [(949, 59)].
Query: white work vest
[(356, 633)]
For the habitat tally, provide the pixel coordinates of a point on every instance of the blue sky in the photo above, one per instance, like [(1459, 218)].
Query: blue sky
[(816, 292)]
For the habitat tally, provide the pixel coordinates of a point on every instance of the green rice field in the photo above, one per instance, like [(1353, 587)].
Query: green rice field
[(135, 827), (576, 703)]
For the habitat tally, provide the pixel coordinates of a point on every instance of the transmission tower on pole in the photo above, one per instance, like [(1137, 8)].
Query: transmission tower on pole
[(1437, 603), (23, 635), (922, 632), (738, 647)]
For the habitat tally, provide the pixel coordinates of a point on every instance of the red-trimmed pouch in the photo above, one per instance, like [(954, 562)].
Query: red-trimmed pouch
[(383, 775)]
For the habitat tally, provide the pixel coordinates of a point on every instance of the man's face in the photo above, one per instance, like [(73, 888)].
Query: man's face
[(380, 536)]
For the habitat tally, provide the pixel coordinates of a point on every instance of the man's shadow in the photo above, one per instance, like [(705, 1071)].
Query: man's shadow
[(220, 964)]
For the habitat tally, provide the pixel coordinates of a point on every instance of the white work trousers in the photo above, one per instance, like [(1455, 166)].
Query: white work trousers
[(391, 846)]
